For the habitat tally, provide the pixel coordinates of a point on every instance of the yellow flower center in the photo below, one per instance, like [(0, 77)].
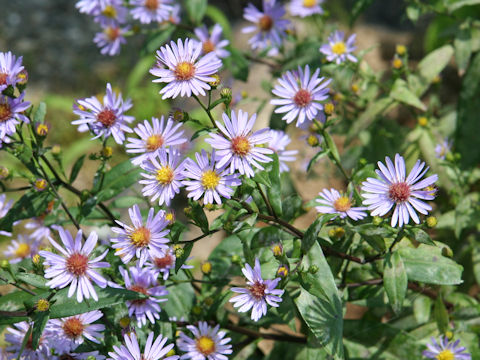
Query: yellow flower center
[(5, 112), (309, 3), (342, 204), (312, 140), (41, 184), (154, 142), (210, 179), (140, 237), (42, 129), (184, 71), (43, 305), (240, 146), (23, 250), (339, 48), (170, 217), (109, 11), (446, 355), (112, 33), (205, 345), (165, 175)]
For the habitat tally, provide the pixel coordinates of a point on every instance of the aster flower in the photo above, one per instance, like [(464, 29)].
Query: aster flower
[(147, 11), (15, 336), (332, 202), (110, 39), (337, 49), (152, 138), (143, 281), (162, 262), (163, 176), (393, 189), (111, 12), (239, 148), (174, 17), (10, 68), (300, 95), (304, 8), (203, 179), (208, 343), (212, 43), (445, 350), (442, 149), (80, 356), (278, 142), (104, 119), (74, 265), (11, 114), (257, 294), (21, 248), (40, 231), (141, 240), (74, 329), (269, 26), (89, 7), (153, 350), (186, 73), (5, 206)]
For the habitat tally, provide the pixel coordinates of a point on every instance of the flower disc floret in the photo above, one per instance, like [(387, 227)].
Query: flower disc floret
[(148, 11), (337, 50), (332, 202), (445, 350), (212, 42), (304, 8)]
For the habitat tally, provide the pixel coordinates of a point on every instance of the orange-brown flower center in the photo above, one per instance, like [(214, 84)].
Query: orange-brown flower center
[(258, 290), (140, 237), (140, 289), (240, 145), (151, 4), (163, 262), (154, 142), (184, 71), (5, 112), (3, 78), (73, 327), (342, 204), (265, 23), (112, 32), (208, 46), (399, 192), (77, 264), (302, 98), (106, 117)]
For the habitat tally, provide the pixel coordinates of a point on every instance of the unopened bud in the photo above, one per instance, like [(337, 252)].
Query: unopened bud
[(397, 63), (215, 82), (355, 88), (422, 121), (377, 220), (447, 252), (313, 269), (236, 259), (207, 267), (179, 252), (4, 172), (124, 322), (449, 334), (432, 221), (170, 217), (401, 49), (437, 79), (4, 264), (170, 353), (313, 141), (107, 151), (226, 93), (56, 149), (187, 210), (209, 207), (41, 130), (42, 305), (40, 184), (197, 310), (208, 301), (22, 77), (329, 108), (277, 250), (282, 271), (36, 259)]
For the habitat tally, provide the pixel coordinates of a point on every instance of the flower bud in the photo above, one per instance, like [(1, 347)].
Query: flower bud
[(449, 334), (329, 108), (355, 88), (36, 259), (4, 264), (4, 172), (197, 310), (56, 150), (226, 94), (206, 267), (282, 271), (42, 305), (432, 221), (215, 82), (377, 220), (236, 259), (422, 121), (313, 269), (170, 217), (208, 301), (107, 151), (277, 249), (22, 77), (179, 252), (40, 184), (397, 63), (124, 322), (313, 141), (170, 353), (41, 129), (447, 252), (401, 49)]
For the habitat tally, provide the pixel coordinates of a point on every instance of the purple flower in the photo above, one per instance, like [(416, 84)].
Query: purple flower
[(186, 73), (163, 176), (442, 149), (153, 350), (110, 39), (74, 265), (393, 189), (11, 110), (269, 26), (445, 350), (72, 330), (40, 231), (111, 13), (153, 138), (89, 7), (338, 50), (212, 43), (104, 119), (257, 294), (15, 336), (278, 142), (143, 281), (162, 262), (21, 248), (300, 95), (10, 68), (147, 11), (175, 14), (208, 343), (5, 206), (304, 8), (141, 240), (332, 202), (204, 179), (238, 146)]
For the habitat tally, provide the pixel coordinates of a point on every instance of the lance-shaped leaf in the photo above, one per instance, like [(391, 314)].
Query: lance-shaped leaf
[(395, 281)]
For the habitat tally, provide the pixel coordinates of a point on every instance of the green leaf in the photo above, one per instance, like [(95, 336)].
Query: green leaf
[(180, 299), (331, 146), (196, 10), (187, 249), (262, 177), (220, 257), (413, 12), (198, 216), (441, 315), (64, 306), (14, 301), (127, 201), (32, 279), (402, 93), (426, 264), (457, 4), (310, 236), (119, 178), (238, 64), (359, 7), (25, 341), (319, 303), (40, 319), (422, 306), (315, 158), (368, 117), (420, 236), (274, 192), (40, 113), (395, 281), (77, 166), (463, 49)]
